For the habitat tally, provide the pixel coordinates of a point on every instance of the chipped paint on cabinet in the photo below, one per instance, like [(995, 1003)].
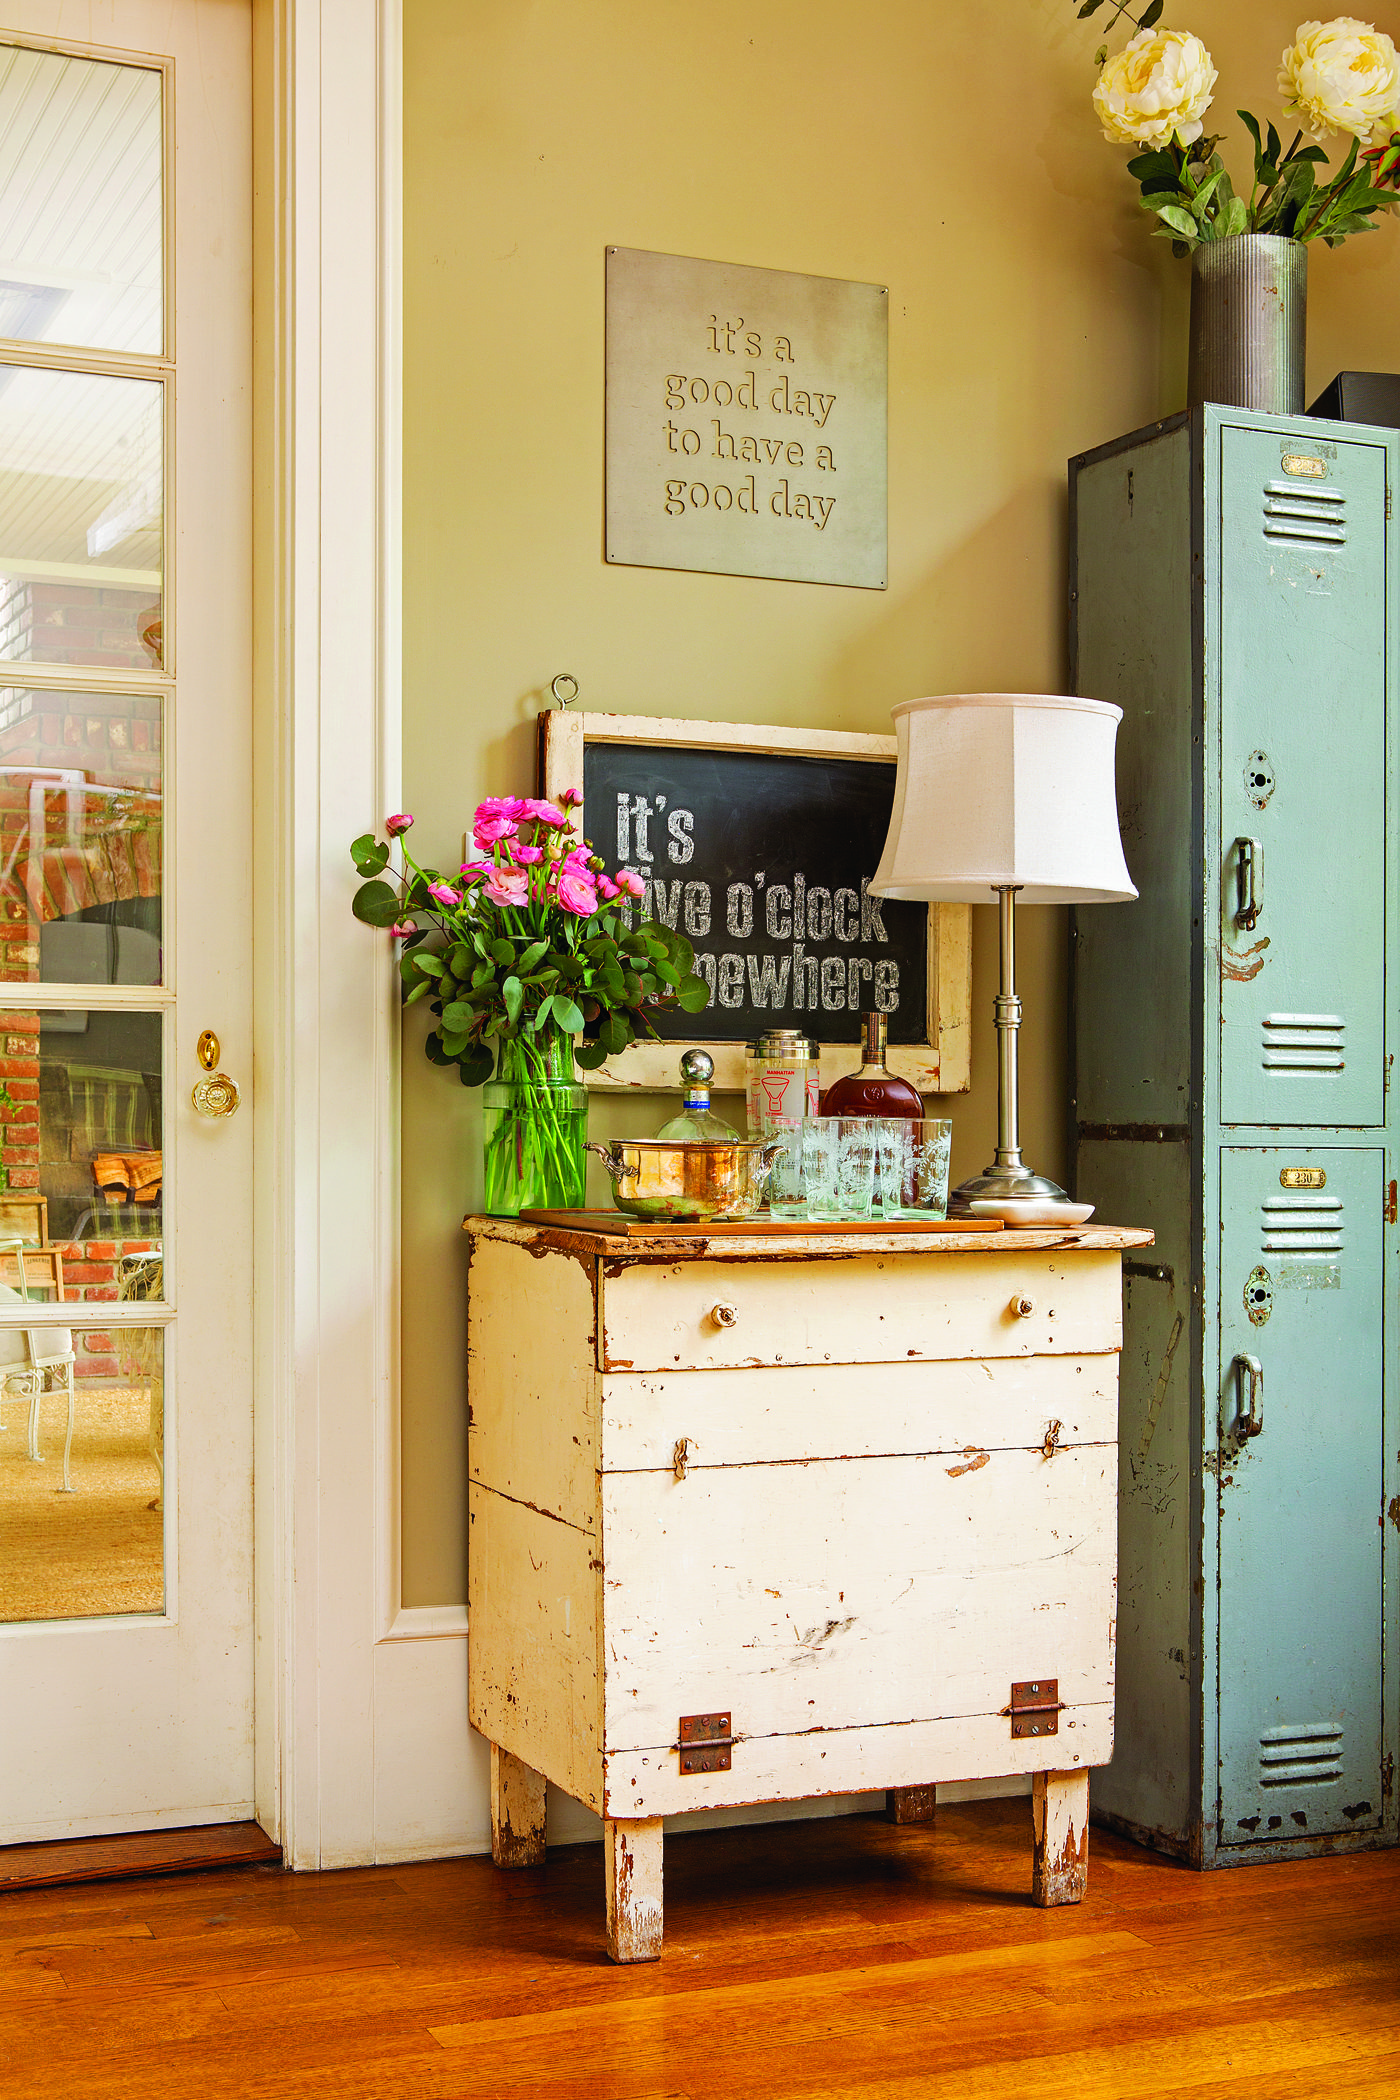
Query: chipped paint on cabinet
[(849, 1524), (1230, 1034)]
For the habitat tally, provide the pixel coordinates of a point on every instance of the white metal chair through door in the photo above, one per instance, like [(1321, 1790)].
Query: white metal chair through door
[(34, 1360)]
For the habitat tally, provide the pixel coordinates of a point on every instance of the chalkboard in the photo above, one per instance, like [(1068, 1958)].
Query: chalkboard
[(759, 844), (763, 860)]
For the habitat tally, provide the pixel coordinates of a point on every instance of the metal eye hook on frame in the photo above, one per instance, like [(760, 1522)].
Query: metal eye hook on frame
[(557, 691)]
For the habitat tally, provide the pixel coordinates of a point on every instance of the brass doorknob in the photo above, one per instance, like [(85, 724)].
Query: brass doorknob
[(217, 1095)]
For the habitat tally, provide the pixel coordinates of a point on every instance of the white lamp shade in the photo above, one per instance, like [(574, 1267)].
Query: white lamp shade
[(995, 789)]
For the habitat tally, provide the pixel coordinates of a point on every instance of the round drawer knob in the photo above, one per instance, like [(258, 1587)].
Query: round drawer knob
[(1021, 1307), (724, 1315), (217, 1095)]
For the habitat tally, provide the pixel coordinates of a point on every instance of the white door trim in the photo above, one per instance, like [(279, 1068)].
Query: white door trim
[(327, 759)]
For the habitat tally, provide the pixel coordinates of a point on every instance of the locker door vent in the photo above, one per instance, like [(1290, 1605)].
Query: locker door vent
[(1307, 1044), (1310, 1226), (1308, 1755), (1305, 516)]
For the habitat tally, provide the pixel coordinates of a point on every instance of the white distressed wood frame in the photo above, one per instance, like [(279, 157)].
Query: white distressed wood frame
[(940, 1065)]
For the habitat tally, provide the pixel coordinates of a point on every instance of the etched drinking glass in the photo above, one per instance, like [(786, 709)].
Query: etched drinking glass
[(913, 1157), (838, 1167), (787, 1196)]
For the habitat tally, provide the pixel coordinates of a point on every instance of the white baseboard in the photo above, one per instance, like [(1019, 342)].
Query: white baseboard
[(432, 1770)]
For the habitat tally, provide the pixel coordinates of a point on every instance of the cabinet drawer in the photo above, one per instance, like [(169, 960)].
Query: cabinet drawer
[(854, 1593), (857, 1309), (819, 1411)]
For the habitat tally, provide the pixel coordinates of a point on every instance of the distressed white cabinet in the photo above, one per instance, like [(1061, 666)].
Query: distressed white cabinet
[(760, 1518)]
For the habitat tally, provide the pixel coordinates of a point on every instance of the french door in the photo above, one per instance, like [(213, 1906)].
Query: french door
[(126, 1663)]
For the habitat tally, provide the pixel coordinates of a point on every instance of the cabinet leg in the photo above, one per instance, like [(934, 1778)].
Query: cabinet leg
[(633, 1855), (517, 1811), (1060, 1869), (911, 1804)]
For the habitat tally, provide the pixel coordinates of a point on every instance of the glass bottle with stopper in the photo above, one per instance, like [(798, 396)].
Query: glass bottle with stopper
[(874, 1090), (697, 1123)]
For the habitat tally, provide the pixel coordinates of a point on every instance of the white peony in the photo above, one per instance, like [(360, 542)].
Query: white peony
[(1157, 89), (1342, 76)]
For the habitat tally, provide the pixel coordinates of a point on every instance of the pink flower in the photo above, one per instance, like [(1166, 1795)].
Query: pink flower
[(607, 886), (545, 813), (444, 893), (489, 829), (569, 798), (578, 858), (511, 807), (524, 856), (506, 886), (575, 894), (477, 870), (396, 825), (403, 929), (629, 880)]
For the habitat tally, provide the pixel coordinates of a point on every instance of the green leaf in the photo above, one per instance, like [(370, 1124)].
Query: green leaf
[(569, 1016), (369, 855), (1251, 125), (1180, 221), (588, 1056), (694, 995), (513, 998), (476, 1066), (1144, 165), (614, 1034), (430, 965), (503, 951), (1090, 7), (1275, 144), (667, 973), (532, 955), (376, 904), (420, 991), (436, 1055), (460, 959), (454, 1041), (457, 1015), (1151, 14), (1235, 220)]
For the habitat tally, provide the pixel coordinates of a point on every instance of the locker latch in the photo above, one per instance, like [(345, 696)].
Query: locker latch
[(1035, 1708), (706, 1743)]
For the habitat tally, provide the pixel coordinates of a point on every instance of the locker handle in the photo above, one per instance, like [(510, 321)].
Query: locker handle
[(1249, 877), (1249, 1416)]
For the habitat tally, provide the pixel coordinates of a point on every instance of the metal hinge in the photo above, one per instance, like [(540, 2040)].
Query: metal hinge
[(1035, 1708), (1390, 1204), (1388, 1776), (706, 1742)]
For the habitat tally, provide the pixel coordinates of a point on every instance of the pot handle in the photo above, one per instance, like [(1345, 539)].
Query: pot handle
[(767, 1159), (611, 1159)]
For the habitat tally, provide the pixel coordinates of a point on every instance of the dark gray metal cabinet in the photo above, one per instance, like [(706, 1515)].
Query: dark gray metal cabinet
[(1233, 588)]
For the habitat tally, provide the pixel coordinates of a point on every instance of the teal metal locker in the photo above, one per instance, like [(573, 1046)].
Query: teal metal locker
[(1234, 583)]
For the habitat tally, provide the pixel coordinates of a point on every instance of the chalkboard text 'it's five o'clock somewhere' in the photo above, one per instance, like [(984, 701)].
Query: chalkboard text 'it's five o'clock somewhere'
[(788, 409), (792, 912)]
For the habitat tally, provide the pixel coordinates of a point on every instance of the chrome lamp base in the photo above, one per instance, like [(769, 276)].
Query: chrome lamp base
[(1008, 1179)]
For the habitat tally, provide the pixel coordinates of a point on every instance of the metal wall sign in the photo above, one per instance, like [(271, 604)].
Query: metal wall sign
[(746, 416)]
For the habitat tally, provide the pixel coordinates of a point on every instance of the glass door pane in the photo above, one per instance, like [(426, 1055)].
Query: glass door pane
[(80, 202), (80, 837), (81, 518)]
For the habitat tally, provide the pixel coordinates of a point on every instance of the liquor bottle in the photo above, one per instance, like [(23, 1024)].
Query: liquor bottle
[(697, 1123), (874, 1090)]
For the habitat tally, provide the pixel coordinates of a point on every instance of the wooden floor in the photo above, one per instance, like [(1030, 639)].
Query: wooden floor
[(804, 1959)]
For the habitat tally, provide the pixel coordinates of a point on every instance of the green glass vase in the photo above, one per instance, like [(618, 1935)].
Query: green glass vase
[(535, 1126)]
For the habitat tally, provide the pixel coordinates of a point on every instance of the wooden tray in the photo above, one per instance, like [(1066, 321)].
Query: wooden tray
[(618, 1223)]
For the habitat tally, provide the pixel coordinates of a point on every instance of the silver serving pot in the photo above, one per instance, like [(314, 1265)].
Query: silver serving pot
[(665, 1178)]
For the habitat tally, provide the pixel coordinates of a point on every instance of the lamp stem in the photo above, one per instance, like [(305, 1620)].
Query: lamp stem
[(1008, 1018)]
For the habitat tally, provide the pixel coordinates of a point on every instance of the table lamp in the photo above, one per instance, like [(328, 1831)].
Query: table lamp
[(1000, 796)]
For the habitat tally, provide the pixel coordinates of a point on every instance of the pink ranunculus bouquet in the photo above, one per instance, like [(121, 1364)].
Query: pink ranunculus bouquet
[(527, 940)]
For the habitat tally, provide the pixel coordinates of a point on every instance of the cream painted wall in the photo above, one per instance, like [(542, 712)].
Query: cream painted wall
[(947, 152)]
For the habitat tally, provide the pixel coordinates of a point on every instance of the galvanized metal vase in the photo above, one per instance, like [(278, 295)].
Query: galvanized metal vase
[(1249, 311)]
